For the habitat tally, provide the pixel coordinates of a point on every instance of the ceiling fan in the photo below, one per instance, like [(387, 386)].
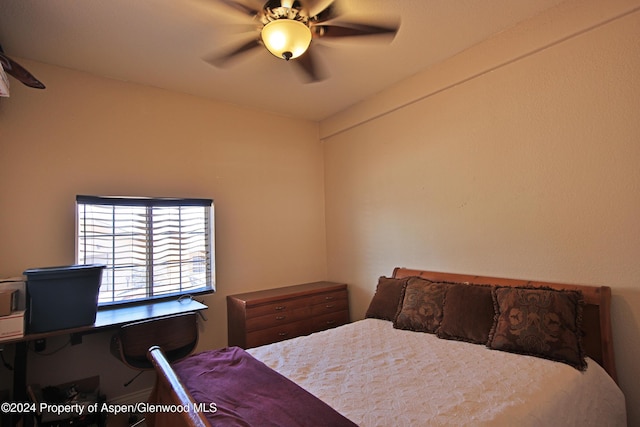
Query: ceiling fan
[(287, 28), (16, 70)]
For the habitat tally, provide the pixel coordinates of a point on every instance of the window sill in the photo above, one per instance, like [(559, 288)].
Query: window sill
[(116, 316)]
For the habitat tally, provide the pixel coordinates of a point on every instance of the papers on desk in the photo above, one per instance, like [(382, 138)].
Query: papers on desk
[(12, 296), (12, 326), (19, 284)]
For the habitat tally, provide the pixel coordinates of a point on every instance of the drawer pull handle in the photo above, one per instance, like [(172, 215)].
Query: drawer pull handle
[(329, 306), (281, 317), (280, 307), (282, 334), (329, 298), (330, 322)]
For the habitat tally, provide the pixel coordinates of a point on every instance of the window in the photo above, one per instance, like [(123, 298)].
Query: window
[(152, 248)]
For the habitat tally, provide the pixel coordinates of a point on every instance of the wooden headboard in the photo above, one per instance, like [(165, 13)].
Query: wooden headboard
[(597, 339)]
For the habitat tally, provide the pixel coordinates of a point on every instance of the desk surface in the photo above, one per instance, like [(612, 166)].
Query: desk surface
[(116, 316)]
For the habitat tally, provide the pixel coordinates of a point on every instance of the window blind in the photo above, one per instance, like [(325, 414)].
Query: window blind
[(152, 247)]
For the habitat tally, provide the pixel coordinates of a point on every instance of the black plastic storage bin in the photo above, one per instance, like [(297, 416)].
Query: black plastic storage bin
[(62, 297)]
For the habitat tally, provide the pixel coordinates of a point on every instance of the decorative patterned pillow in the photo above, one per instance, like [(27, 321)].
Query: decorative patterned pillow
[(539, 322), (422, 303), (386, 301), (468, 313)]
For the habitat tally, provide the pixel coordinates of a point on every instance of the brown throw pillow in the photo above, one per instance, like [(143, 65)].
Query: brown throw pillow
[(539, 322), (468, 313), (421, 306), (386, 301)]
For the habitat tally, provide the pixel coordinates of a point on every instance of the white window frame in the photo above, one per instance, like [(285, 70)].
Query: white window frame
[(189, 267)]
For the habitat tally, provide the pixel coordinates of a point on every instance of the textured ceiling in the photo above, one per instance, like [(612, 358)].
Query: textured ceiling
[(162, 43)]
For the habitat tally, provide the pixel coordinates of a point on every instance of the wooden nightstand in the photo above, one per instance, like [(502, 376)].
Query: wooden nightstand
[(264, 317)]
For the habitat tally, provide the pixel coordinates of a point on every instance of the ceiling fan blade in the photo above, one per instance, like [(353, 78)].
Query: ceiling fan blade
[(221, 60), (328, 13), (239, 28), (247, 10), (284, 3), (311, 69), (16, 70), (353, 30)]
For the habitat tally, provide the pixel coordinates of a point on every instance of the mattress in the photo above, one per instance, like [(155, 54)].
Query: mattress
[(376, 375)]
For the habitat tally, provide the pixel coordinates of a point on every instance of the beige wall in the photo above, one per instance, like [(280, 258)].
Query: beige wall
[(518, 158), (89, 135)]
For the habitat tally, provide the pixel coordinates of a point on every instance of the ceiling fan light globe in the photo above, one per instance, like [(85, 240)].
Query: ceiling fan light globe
[(286, 36)]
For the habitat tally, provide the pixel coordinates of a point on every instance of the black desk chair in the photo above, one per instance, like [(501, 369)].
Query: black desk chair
[(176, 335)]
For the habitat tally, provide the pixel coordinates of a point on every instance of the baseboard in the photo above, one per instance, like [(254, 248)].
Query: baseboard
[(132, 398)]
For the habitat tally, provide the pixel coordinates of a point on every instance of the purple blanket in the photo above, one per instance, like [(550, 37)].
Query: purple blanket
[(242, 391)]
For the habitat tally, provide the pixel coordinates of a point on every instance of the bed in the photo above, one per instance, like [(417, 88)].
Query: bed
[(437, 349)]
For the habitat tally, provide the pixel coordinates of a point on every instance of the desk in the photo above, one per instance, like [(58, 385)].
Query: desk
[(106, 318), (116, 316)]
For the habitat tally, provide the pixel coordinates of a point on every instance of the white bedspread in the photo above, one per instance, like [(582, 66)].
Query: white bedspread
[(376, 375)]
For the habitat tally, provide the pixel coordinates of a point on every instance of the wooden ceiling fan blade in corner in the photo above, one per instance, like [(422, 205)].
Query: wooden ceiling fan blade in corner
[(16, 70)]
